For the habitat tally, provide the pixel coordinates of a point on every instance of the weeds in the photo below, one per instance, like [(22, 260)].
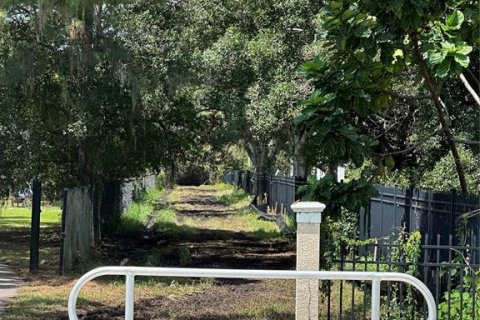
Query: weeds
[(135, 219)]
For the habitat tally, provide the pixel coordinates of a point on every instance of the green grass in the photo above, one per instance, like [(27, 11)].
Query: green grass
[(216, 187), (20, 217), (151, 196), (15, 237), (229, 196), (166, 216), (290, 222), (236, 198), (135, 218)]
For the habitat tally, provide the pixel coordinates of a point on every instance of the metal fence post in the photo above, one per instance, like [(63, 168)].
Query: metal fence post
[(309, 217), (129, 296), (35, 228)]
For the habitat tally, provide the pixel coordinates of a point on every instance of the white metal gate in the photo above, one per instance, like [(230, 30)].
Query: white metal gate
[(131, 272)]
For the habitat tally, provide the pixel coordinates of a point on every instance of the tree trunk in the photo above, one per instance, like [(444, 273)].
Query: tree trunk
[(258, 155), (300, 167), (83, 173), (441, 114), (172, 177)]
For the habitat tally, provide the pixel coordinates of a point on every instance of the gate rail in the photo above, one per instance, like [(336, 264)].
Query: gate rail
[(131, 272)]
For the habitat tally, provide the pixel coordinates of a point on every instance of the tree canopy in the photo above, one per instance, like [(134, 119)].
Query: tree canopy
[(97, 90), (380, 58)]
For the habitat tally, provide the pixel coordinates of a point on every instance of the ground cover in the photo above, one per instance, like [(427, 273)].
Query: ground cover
[(207, 226), (15, 237)]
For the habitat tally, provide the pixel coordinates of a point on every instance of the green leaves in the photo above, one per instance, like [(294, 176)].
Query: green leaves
[(449, 56), (435, 57), (450, 53), (443, 68), (350, 195), (397, 6), (313, 67), (462, 60), (455, 20)]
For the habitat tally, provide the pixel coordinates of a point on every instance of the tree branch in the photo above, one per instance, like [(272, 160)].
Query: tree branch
[(439, 106), (411, 148), (400, 96), (469, 88), (467, 141)]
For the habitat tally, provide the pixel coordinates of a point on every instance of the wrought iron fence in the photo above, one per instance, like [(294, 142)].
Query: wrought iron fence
[(451, 272), (449, 261)]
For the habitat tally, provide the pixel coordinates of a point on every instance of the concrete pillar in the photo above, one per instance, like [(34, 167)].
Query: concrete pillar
[(309, 217)]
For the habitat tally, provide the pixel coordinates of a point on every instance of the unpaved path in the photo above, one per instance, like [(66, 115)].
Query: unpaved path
[(212, 235), (227, 246), (217, 242)]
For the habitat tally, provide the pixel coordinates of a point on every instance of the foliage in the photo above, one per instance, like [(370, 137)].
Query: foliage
[(408, 252), (443, 177), (459, 303), (234, 198), (235, 157), (244, 66), (351, 195), (290, 223), (450, 53), (135, 219), (374, 53)]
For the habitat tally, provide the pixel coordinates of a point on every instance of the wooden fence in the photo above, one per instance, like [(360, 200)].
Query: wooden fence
[(78, 229)]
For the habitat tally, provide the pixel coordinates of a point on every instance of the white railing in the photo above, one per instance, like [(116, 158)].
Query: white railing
[(131, 272)]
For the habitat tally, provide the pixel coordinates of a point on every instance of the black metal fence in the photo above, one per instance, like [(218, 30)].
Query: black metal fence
[(448, 262), (276, 192), (454, 282), (428, 211)]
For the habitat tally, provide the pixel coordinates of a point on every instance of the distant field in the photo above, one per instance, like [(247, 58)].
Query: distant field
[(20, 217), (15, 237)]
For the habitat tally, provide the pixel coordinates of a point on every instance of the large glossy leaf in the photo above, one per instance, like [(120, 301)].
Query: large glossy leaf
[(313, 67), (335, 5), (435, 57), (397, 6), (347, 14), (443, 68), (323, 129), (463, 48), (317, 98), (462, 59), (448, 47), (455, 20)]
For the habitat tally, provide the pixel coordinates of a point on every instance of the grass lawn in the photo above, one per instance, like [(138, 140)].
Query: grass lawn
[(15, 237)]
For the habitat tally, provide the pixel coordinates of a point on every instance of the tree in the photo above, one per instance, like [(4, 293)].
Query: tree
[(74, 109), (373, 46), (241, 67)]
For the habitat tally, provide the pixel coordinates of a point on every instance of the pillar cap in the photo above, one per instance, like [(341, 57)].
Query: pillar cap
[(308, 207)]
